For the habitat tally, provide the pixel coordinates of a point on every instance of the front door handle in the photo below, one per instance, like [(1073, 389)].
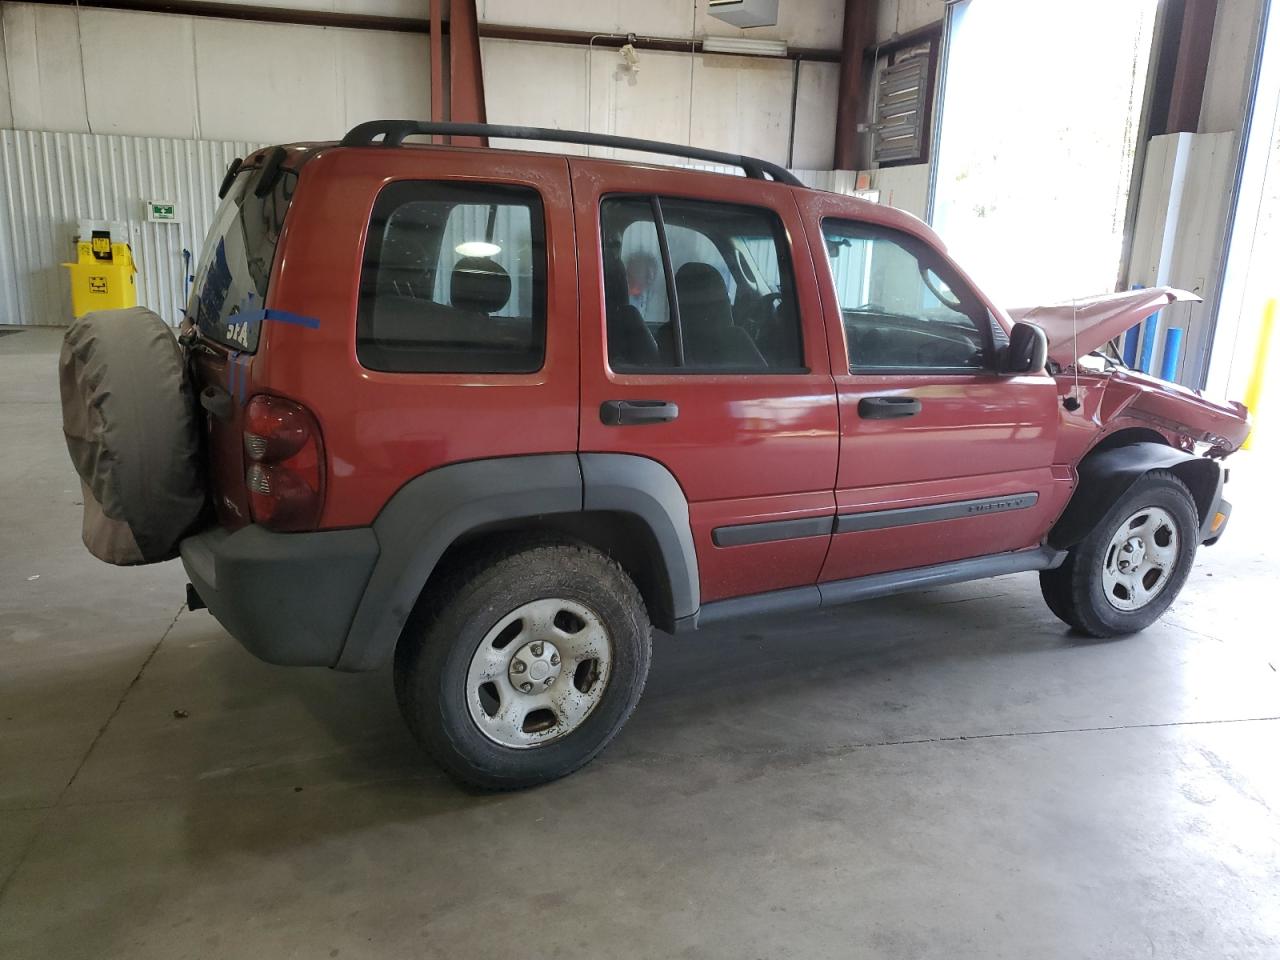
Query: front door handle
[(887, 408), (618, 413)]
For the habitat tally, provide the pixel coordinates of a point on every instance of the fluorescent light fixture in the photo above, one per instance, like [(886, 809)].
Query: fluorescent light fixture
[(477, 248), (745, 45)]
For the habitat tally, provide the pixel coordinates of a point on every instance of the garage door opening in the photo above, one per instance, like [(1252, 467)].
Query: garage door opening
[(1242, 365), (1037, 143)]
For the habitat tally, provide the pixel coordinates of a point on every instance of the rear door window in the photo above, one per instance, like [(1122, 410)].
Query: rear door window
[(728, 269), (235, 263), (454, 280)]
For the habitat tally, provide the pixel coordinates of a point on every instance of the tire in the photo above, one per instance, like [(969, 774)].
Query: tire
[(133, 433), (1101, 593), (561, 619)]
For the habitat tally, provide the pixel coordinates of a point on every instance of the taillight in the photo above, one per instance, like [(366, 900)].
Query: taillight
[(285, 473)]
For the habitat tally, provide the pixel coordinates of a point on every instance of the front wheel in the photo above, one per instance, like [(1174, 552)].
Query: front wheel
[(1131, 566), (527, 668)]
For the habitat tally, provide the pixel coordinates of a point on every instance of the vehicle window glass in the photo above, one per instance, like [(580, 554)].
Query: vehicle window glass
[(640, 332), (729, 267), (903, 306), (454, 280), (235, 263)]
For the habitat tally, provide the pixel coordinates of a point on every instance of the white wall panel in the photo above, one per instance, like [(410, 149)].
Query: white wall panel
[(266, 81), (6, 106), (802, 23), (377, 8), (1179, 232), (179, 76), (651, 102), (904, 188), (49, 181), (742, 104), (383, 75), (535, 85), (1226, 89), (902, 16), (139, 73), (815, 136), (46, 81)]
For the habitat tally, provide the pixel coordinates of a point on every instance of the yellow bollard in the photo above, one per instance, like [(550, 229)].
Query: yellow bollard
[(1253, 395)]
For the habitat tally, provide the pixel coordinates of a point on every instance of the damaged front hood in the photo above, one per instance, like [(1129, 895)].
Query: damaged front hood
[(1077, 329)]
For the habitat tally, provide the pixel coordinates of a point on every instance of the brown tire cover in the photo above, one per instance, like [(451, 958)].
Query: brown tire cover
[(130, 425)]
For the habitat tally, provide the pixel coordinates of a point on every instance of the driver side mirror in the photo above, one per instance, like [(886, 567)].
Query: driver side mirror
[(1028, 350)]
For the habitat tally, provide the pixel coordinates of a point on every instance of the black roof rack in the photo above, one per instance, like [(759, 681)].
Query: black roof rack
[(394, 132)]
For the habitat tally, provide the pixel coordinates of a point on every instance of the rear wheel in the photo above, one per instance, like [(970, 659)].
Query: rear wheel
[(527, 668), (1132, 565)]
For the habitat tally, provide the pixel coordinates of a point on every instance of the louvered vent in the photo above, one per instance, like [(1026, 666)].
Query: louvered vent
[(901, 97)]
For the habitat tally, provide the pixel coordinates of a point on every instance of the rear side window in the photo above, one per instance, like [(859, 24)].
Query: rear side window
[(235, 263), (693, 286), (454, 280)]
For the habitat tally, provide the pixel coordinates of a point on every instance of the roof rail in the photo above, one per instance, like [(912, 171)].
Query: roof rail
[(394, 132)]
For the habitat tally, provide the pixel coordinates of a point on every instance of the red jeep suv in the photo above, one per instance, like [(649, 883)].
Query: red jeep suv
[(494, 413)]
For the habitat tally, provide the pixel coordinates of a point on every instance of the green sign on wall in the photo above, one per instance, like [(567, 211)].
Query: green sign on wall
[(161, 211)]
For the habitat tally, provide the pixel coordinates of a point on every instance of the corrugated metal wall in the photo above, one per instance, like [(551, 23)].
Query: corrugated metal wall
[(49, 181)]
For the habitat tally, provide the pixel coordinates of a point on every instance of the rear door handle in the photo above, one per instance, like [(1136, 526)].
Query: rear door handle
[(887, 408), (619, 413)]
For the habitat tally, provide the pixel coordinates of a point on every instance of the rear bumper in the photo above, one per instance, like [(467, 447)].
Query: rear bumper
[(289, 598)]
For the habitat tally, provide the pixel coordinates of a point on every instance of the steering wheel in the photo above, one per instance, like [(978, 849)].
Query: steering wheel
[(763, 311), (939, 288)]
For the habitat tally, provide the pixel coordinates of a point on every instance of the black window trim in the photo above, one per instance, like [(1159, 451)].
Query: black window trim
[(541, 320), (952, 279), (673, 306)]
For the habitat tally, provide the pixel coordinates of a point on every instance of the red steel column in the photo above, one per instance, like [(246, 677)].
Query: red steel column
[(1193, 65), (859, 33), (436, 47), (466, 73)]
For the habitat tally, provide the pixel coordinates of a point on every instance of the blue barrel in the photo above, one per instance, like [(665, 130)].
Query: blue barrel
[(1149, 328), (1172, 350), (1131, 345)]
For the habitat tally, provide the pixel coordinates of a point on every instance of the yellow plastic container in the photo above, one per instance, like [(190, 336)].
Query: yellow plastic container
[(103, 280)]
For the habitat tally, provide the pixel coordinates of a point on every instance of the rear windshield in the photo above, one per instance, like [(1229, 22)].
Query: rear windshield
[(235, 264)]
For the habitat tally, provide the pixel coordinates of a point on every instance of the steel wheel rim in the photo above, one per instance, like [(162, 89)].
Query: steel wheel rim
[(538, 673), (1140, 559)]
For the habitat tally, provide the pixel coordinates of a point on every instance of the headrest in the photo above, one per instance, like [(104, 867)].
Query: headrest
[(479, 285), (703, 293), (615, 280)]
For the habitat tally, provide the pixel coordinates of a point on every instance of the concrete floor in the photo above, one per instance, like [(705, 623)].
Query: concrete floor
[(950, 774)]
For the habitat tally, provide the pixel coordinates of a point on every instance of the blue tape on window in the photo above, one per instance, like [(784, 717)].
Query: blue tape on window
[(280, 316)]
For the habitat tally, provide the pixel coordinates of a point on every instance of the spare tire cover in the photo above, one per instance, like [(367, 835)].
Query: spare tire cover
[(131, 429)]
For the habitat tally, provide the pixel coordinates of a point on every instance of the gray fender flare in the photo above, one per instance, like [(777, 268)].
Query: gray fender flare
[(1106, 475), (432, 511), (645, 488)]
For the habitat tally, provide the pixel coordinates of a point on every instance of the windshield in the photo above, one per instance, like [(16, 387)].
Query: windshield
[(235, 264)]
